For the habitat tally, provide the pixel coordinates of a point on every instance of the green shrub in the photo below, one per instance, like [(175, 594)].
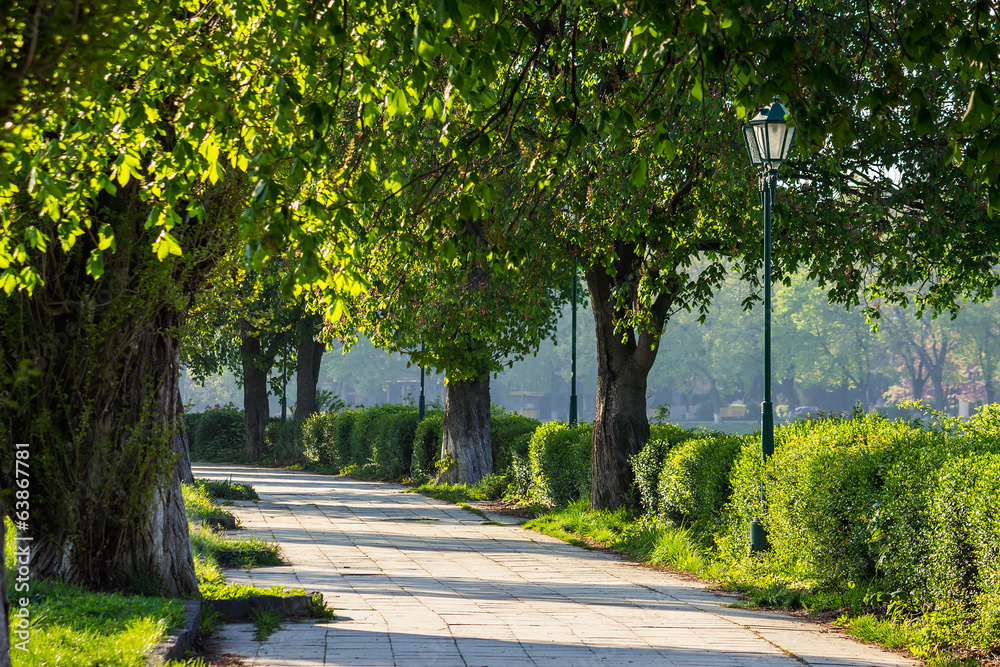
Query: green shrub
[(219, 435), (903, 529), (519, 474), (283, 441), (317, 440), (648, 463), (366, 437), (392, 443), (560, 463), (227, 489), (426, 445), (964, 513), (340, 434), (191, 421), (694, 483), (510, 434)]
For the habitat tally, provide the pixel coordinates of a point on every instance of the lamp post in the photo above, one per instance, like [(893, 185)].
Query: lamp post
[(423, 403), (768, 140), (572, 396)]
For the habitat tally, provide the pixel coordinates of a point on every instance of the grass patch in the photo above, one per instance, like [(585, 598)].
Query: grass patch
[(885, 631), (641, 538), (200, 504), (230, 552), (73, 626), (228, 489), (491, 487), (266, 621)]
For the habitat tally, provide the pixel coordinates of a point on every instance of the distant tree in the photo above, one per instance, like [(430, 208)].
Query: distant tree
[(830, 345), (979, 327), (925, 349)]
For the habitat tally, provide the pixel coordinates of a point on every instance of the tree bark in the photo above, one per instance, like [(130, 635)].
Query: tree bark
[(465, 433), (621, 427), (256, 409), (308, 360), (937, 380), (107, 511), (4, 626)]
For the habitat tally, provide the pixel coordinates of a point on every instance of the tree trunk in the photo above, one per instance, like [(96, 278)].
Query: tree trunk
[(621, 427), (716, 401), (937, 380), (308, 360), (4, 627), (107, 511), (256, 408), (95, 393), (990, 391), (788, 388), (465, 433)]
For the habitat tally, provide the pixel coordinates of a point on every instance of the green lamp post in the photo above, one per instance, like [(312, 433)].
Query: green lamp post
[(768, 141), (422, 409), (572, 396)]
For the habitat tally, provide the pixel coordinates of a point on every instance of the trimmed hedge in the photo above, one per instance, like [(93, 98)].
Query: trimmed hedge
[(911, 506), (510, 434), (316, 441), (648, 463), (392, 443), (218, 434), (560, 463), (365, 439), (426, 445), (694, 483), (283, 441)]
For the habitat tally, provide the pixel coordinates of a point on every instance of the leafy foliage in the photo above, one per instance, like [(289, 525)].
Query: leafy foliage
[(426, 445), (510, 434), (218, 435), (560, 463)]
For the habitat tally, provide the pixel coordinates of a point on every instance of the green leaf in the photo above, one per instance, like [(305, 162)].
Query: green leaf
[(696, 90), (95, 263), (166, 245), (640, 174)]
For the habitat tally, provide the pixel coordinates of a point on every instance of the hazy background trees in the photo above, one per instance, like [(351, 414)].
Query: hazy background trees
[(824, 355)]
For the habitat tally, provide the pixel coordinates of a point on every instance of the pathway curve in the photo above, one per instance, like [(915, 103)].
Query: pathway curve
[(416, 581)]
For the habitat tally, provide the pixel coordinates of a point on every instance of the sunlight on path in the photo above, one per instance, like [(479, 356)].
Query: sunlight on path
[(415, 581)]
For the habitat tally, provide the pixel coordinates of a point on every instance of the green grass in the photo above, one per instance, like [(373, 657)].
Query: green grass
[(887, 632), (639, 538), (491, 487), (266, 621), (228, 490), (232, 552), (762, 582), (72, 626), (200, 504)]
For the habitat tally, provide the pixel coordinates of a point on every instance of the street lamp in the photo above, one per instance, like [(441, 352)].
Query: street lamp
[(572, 396), (422, 409), (768, 140)]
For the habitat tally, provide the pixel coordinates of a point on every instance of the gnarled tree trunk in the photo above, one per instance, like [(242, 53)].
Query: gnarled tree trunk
[(465, 433), (4, 628)]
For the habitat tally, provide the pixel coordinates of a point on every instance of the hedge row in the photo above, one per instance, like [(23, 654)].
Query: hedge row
[(389, 442), (910, 505)]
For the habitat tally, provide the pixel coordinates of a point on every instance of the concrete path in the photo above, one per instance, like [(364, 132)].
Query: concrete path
[(415, 581)]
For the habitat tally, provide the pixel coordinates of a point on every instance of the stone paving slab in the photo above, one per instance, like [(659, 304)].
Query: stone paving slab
[(417, 581)]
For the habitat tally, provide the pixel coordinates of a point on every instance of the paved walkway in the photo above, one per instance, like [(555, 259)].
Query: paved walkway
[(415, 581)]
